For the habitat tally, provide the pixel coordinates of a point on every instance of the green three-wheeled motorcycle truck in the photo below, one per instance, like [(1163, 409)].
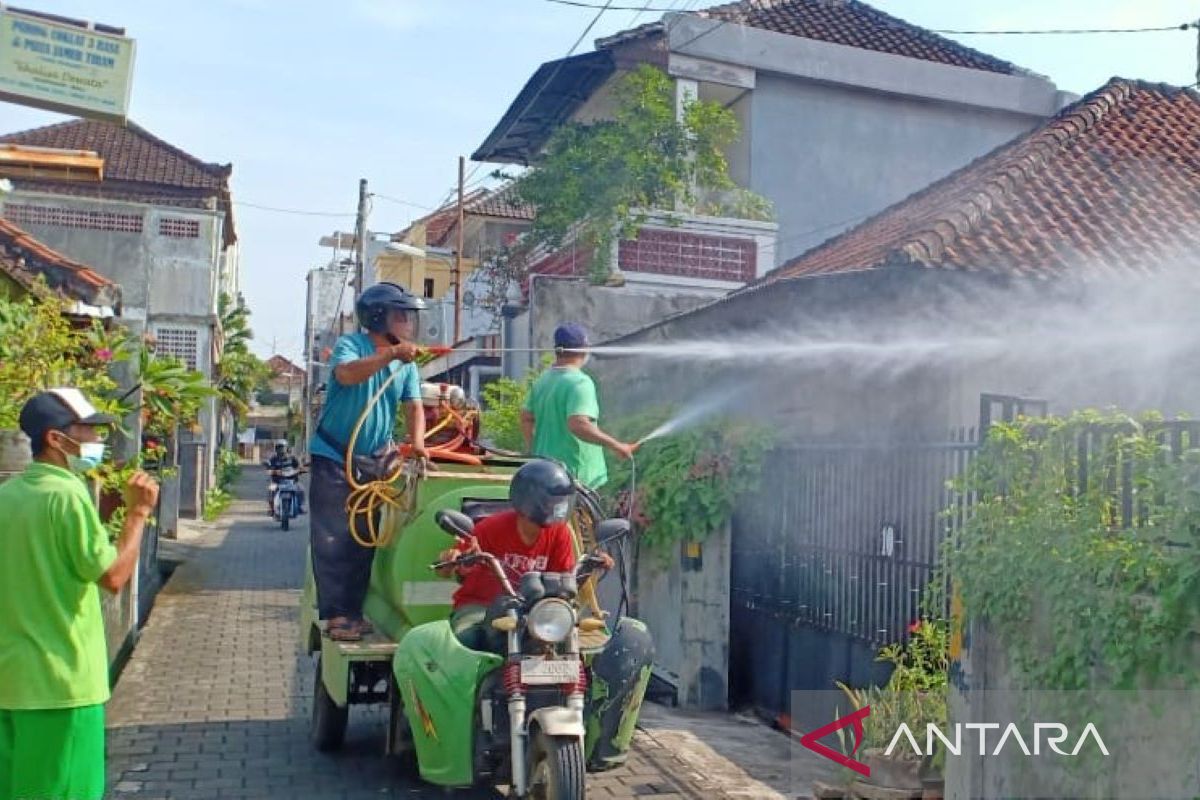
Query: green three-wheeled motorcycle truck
[(557, 697)]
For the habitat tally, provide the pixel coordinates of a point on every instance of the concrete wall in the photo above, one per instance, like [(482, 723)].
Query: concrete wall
[(608, 312), (837, 133), (167, 280), (830, 156), (158, 274), (685, 604)]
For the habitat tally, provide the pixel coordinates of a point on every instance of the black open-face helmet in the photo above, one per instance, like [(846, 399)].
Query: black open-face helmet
[(376, 301), (543, 491)]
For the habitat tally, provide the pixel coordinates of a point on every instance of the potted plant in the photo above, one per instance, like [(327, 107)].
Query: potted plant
[(915, 694)]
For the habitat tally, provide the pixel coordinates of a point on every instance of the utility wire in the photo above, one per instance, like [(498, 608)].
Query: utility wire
[(1070, 31), (610, 7), (550, 79), (557, 67), (291, 210), (1028, 32), (398, 201)]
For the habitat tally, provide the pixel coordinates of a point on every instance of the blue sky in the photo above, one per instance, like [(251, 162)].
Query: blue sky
[(304, 98)]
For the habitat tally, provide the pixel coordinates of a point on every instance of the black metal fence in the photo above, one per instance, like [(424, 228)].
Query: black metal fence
[(833, 555), (845, 537)]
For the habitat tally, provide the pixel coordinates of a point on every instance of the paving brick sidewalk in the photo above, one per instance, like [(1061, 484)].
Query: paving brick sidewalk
[(214, 702)]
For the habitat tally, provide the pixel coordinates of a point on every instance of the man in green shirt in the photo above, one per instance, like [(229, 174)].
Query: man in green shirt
[(560, 413), (53, 553)]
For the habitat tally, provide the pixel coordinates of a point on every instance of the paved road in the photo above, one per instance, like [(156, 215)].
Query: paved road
[(214, 702)]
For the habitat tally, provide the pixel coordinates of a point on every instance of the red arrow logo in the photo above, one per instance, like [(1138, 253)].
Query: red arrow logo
[(809, 740)]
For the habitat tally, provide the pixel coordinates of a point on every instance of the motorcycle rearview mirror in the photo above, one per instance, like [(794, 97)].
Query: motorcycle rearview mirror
[(610, 530), (455, 523)]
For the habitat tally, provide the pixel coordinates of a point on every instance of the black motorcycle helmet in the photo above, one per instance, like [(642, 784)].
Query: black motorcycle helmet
[(376, 301), (543, 491)]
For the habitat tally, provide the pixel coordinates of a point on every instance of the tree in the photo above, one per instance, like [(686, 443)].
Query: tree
[(595, 181), (239, 373)]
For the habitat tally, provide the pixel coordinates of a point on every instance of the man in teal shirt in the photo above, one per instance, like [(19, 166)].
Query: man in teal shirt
[(54, 553), (560, 413), (361, 363)]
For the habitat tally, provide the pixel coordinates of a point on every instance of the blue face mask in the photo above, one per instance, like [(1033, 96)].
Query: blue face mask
[(91, 455)]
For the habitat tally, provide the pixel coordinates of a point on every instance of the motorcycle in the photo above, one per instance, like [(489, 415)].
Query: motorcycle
[(285, 502), (531, 721)]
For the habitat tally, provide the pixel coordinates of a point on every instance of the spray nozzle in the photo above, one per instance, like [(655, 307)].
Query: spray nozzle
[(439, 350)]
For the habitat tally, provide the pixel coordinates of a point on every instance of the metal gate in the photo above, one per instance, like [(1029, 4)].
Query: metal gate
[(832, 557)]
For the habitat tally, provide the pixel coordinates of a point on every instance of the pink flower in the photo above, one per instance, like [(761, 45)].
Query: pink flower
[(914, 626), (104, 354)]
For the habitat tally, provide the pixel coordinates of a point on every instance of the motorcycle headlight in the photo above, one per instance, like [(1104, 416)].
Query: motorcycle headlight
[(551, 620)]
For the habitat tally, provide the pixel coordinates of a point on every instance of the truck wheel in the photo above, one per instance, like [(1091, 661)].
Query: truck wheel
[(558, 771), (328, 718)]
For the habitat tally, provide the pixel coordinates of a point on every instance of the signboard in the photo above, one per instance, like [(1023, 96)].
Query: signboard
[(59, 66)]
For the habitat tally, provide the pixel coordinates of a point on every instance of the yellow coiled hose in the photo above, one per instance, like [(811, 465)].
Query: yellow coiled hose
[(378, 497)]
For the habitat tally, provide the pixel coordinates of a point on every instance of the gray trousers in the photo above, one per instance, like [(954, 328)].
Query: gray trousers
[(341, 566)]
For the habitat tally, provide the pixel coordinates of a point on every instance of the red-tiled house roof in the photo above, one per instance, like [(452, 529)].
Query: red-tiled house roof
[(283, 368), (845, 22), (1111, 183), (138, 166), (25, 259), (560, 88), (496, 203)]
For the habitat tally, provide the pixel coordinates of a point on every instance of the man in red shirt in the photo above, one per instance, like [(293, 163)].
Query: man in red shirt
[(533, 537)]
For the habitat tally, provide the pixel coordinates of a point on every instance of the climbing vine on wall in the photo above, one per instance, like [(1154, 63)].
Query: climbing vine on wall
[(1082, 553), (688, 483)]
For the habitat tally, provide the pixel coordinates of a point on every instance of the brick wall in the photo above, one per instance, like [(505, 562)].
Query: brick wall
[(686, 254), (682, 254)]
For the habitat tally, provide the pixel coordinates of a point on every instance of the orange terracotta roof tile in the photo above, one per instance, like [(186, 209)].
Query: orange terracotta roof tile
[(24, 258), (1112, 182), (501, 203)]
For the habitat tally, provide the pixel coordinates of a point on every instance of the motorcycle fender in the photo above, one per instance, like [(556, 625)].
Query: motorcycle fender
[(557, 721)]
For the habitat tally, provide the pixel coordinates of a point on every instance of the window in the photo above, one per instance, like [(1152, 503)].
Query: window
[(429, 287), (22, 214), (178, 343), (178, 228)]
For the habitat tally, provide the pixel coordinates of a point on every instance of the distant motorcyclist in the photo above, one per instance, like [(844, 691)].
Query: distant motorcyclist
[(282, 459)]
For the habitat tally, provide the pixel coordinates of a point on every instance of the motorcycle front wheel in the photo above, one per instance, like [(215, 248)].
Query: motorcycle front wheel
[(285, 508), (558, 769)]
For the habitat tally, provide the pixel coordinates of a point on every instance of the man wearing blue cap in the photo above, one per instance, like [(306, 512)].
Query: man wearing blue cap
[(560, 413)]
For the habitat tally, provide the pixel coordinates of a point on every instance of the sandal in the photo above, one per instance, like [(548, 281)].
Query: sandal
[(340, 629), (365, 628)]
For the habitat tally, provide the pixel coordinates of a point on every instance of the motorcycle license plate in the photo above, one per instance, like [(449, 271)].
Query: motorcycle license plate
[(541, 671)]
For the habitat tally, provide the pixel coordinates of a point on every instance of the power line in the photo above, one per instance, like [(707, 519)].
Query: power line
[(291, 210), (549, 79), (610, 7), (1026, 32), (398, 201), (557, 67), (1070, 31)]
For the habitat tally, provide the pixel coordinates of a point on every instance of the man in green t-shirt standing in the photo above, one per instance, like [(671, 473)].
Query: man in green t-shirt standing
[(560, 413), (53, 553)]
